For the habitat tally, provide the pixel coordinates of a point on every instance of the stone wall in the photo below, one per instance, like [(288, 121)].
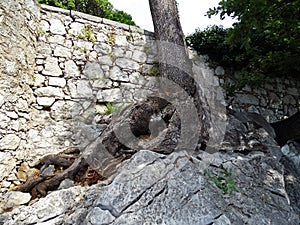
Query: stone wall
[(18, 41), (60, 69), (276, 99)]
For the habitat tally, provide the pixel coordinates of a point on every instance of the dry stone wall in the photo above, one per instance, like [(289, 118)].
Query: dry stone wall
[(59, 70)]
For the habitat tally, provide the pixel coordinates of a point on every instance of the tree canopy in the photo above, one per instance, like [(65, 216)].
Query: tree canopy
[(101, 8), (264, 42)]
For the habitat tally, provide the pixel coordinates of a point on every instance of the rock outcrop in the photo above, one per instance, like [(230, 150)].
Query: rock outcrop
[(180, 188)]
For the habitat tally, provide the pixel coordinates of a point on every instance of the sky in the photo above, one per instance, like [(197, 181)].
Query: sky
[(191, 12)]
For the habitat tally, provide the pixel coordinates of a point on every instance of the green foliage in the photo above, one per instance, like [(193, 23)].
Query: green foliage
[(101, 8), (110, 108), (223, 181), (263, 43)]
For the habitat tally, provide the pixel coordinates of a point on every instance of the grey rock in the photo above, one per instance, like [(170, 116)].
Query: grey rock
[(93, 71), (125, 63), (71, 69), (49, 92), (247, 99), (65, 184), (219, 71), (64, 110), (118, 75), (151, 188), (110, 95), (12, 199), (139, 56)]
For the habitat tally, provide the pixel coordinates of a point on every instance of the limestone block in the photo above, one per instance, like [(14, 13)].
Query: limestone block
[(121, 40), (39, 79), (71, 69), (51, 67), (80, 89), (118, 75), (57, 81), (139, 56), (102, 48), (105, 60), (93, 71), (127, 64), (45, 101), (10, 142), (49, 92), (102, 84), (76, 28), (61, 51), (57, 27), (110, 95)]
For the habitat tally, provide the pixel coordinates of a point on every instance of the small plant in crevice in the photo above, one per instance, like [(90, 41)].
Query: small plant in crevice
[(112, 39), (87, 34), (110, 108), (224, 181), (41, 31)]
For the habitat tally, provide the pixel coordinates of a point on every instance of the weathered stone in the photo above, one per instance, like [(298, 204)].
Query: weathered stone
[(93, 71), (102, 48), (57, 81), (51, 67), (49, 92), (61, 51), (64, 110), (45, 101), (71, 69), (121, 40), (105, 60), (139, 56), (247, 99), (127, 64), (117, 75), (111, 95), (9, 142), (57, 27)]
